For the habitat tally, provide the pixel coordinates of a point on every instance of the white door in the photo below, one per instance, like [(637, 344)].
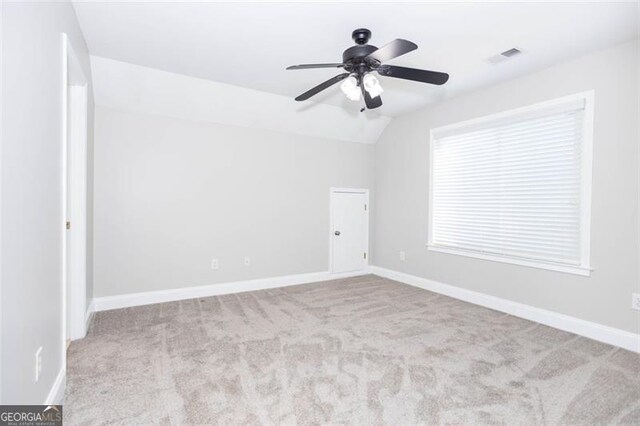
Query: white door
[(75, 191), (349, 230), (69, 210)]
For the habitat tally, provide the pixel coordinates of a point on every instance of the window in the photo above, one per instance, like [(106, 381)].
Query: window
[(515, 187)]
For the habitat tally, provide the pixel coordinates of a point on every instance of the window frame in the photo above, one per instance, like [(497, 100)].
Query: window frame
[(586, 171)]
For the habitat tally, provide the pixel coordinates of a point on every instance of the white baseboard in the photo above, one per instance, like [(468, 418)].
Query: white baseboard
[(89, 314), (592, 330), (56, 394), (147, 298)]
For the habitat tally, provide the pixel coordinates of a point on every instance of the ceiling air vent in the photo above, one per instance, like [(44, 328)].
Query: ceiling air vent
[(507, 54), (511, 52)]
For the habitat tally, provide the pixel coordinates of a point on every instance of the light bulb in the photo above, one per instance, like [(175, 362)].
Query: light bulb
[(350, 88), (354, 95), (372, 85)]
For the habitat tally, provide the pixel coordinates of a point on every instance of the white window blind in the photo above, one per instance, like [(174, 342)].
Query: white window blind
[(514, 187)]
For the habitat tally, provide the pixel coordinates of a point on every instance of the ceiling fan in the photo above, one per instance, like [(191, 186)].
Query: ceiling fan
[(361, 60)]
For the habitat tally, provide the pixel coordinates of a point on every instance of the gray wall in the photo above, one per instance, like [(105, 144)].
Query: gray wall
[(32, 192), (402, 190), (172, 194)]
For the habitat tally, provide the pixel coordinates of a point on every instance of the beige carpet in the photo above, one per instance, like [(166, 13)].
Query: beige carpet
[(356, 351)]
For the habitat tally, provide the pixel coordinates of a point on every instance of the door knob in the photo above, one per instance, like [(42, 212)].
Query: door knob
[(336, 233)]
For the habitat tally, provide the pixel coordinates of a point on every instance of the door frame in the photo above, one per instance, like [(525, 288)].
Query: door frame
[(74, 143), (365, 192)]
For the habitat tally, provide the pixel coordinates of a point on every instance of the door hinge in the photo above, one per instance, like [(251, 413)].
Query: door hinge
[(365, 207), (365, 254), (68, 225)]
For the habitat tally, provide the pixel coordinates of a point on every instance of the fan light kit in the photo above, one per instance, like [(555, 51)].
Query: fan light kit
[(361, 60), (350, 88), (372, 85)]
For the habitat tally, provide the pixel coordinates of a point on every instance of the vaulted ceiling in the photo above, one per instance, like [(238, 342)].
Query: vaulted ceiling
[(249, 45)]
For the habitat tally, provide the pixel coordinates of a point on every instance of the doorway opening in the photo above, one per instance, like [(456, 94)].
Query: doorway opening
[(74, 192)]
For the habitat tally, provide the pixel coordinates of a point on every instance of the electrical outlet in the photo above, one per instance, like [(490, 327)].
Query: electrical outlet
[(635, 301), (247, 261), (214, 264), (38, 364), (402, 256)]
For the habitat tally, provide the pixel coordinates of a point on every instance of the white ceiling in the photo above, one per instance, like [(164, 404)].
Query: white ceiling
[(250, 44)]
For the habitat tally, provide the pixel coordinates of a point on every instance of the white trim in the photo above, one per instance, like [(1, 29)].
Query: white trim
[(586, 179), (592, 330), (63, 183), (577, 270), (533, 108), (338, 275), (1, 210), (584, 269), (106, 303), (89, 314), (74, 95), (56, 393), (78, 215), (350, 190), (332, 191)]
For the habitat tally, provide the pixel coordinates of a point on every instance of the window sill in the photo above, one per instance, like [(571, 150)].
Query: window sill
[(569, 269)]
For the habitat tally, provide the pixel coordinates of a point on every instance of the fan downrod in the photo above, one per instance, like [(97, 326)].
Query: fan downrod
[(361, 35)]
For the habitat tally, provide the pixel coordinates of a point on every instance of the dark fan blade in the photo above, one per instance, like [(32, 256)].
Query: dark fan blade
[(414, 74), (310, 66), (370, 102), (320, 87), (392, 50)]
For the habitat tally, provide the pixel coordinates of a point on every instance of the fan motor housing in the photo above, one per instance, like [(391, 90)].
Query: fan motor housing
[(356, 54)]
